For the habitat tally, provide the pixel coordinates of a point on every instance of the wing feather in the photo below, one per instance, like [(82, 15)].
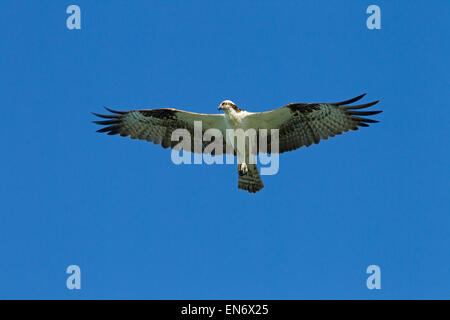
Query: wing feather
[(304, 124), (158, 125)]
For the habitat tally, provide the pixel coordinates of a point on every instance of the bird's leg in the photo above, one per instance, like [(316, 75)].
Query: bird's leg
[(243, 156), (242, 169)]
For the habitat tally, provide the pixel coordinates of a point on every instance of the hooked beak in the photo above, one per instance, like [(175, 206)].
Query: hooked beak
[(219, 107)]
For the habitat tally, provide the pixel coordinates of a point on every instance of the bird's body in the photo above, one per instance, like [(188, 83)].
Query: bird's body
[(237, 119), (297, 124)]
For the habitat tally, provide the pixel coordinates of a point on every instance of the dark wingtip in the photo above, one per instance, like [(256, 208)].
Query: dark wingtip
[(361, 106), (115, 111), (364, 120), (97, 114), (106, 116), (363, 113), (359, 116), (106, 122), (114, 129), (350, 100), (113, 122)]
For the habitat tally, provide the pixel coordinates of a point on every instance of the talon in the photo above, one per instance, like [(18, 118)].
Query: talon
[(242, 169)]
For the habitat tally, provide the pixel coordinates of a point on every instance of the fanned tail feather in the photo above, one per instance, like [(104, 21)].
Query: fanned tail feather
[(251, 181)]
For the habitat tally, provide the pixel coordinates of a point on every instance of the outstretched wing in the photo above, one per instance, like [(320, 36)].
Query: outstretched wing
[(302, 124), (157, 126)]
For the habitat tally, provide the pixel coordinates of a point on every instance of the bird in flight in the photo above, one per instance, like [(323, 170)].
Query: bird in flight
[(298, 124)]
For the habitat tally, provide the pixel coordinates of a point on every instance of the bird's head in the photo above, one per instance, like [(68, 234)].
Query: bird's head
[(227, 105)]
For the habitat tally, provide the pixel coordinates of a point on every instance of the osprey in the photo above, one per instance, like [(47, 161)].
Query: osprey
[(299, 124)]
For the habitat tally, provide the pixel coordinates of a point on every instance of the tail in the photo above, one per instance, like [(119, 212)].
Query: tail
[(251, 181)]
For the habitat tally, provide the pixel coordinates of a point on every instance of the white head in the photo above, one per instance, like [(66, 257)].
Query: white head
[(227, 105)]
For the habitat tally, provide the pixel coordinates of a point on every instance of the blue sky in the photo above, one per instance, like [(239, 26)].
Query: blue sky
[(141, 227)]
